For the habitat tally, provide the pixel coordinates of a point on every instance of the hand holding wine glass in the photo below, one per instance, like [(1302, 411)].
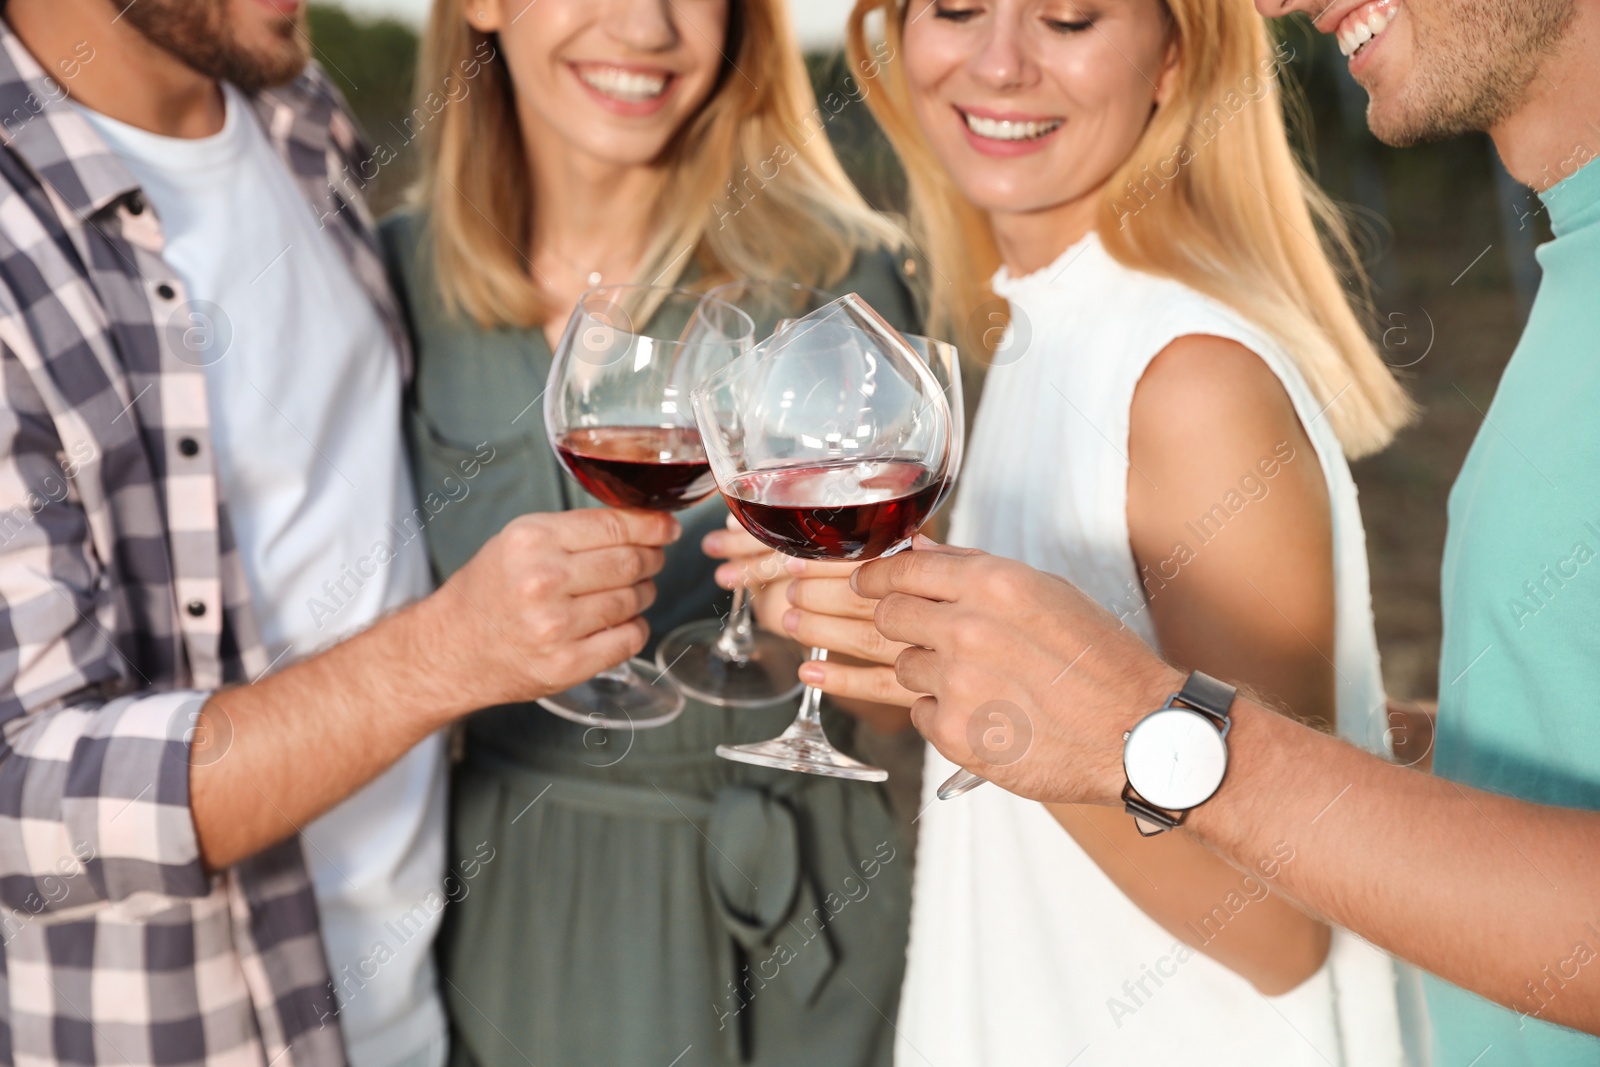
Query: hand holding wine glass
[(831, 440), (828, 613)]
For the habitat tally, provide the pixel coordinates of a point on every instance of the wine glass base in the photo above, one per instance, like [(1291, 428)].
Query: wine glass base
[(960, 784), (643, 702), (803, 747), (690, 657)]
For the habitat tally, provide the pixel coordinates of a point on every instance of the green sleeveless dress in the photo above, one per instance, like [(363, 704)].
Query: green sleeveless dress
[(635, 900)]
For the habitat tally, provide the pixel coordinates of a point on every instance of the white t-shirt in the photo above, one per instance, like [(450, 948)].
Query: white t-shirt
[(304, 389)]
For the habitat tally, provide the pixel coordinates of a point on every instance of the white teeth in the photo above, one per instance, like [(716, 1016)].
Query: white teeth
[(1006, 130), (624, 85), (1357, 31)]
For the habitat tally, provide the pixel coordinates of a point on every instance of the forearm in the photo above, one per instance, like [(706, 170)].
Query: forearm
[(1202, 900), (272, 756), (1488, 892)]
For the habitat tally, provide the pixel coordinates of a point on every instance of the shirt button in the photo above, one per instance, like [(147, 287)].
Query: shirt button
[(189, 446), (196, 608), (165, 291), (135, 204)]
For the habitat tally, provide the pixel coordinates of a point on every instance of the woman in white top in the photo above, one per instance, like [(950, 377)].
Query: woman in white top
[(1165, 422)]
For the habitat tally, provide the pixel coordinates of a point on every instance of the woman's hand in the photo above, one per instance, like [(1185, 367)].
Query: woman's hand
[(825, 612), (863, 685), (754, 565)]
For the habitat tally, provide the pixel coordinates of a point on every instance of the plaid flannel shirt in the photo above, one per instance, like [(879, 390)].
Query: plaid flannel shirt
[(122, 605)]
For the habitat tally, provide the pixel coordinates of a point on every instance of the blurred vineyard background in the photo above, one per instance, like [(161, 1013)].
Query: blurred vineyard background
[(1447, 236)]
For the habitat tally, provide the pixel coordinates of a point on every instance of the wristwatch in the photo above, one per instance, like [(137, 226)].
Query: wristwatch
[(1176, 756)]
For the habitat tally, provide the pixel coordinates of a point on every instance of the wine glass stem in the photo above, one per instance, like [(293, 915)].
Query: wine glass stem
[(736, 642), (811, 703), (621, 674)]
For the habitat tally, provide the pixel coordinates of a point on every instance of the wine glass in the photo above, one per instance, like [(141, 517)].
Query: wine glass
[(616, 408), (829, 440), (736, 664)]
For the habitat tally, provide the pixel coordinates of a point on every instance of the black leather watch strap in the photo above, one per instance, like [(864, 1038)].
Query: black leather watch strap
[(1160, 821), (1206, 694)]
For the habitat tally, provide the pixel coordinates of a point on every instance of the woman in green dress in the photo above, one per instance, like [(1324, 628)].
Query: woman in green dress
[(642, 901)]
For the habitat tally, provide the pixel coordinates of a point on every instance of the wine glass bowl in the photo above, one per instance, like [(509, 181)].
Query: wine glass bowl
[(617, 412), (829, 440), (845, 510), (659, 468)]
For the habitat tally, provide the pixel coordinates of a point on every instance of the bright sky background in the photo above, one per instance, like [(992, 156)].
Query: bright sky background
[(820, 22)]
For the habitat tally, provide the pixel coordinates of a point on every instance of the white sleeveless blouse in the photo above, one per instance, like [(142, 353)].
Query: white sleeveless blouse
[(1023, 952)]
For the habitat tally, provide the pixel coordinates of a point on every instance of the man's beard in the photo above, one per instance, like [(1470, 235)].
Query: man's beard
[(1472, 68), (201, 35)]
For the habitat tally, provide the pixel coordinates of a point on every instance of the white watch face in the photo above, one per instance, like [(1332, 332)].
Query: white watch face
[(1175, 758)]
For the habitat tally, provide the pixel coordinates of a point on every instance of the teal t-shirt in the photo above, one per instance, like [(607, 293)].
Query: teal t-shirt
[(1519, 712)]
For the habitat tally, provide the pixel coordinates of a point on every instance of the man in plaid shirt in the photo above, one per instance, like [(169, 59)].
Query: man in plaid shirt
[(169, 748)]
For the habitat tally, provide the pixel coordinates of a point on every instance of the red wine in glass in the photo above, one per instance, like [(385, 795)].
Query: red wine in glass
[(888, 500), (662, 468)]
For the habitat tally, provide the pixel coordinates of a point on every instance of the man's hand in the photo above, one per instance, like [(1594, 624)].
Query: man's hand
[(546, 603), (1031, 683), (793, 597), (549, 601), (826, 612)]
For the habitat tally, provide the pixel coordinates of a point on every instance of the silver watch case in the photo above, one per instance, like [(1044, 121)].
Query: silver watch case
[(1175, 758)]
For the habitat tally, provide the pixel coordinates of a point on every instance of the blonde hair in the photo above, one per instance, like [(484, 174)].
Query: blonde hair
[(754, 187), (1222, 205)]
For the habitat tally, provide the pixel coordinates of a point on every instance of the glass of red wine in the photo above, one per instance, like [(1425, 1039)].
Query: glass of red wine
[(736, 664), (830, 440), (616, 408)]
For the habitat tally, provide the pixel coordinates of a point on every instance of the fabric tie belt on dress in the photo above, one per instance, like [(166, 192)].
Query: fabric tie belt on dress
[(753, 864)]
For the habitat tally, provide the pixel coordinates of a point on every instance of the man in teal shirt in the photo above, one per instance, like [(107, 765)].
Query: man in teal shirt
[(1486, 873)]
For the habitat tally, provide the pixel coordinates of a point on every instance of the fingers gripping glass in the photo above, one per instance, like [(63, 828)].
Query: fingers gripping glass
[(830, 440), (616, 408), (736, 664)]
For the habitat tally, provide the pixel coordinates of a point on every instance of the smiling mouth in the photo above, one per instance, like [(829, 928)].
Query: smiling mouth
[(624, 86), (1009, 130), (1365, 24)]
